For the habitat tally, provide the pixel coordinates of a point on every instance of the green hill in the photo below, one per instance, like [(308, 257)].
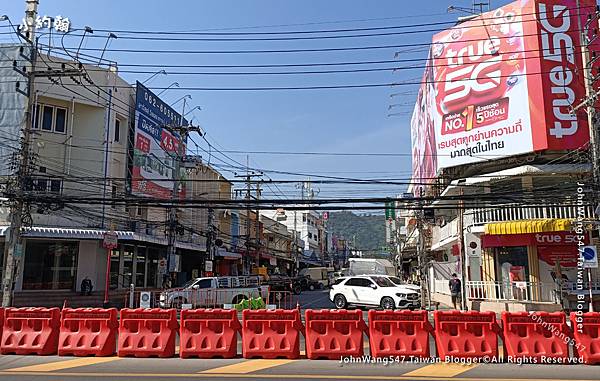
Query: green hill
[(368, 230)]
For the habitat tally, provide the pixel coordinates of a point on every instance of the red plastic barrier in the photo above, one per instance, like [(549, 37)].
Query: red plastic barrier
[(399, 333), (586, 331), (332, 334), (147, 332), (208, 333), (271, 334), (88, 331), (30, 331), (536, 335), (469, 334)]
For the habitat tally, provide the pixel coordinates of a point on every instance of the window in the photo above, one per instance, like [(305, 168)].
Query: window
[(50, 265), (205, 283), (47, 116), (338, 281), (359, 282), (113, 192), (60, 120), (354, 282), (44, 185), (117, 130), (55, 186), (50, 118)]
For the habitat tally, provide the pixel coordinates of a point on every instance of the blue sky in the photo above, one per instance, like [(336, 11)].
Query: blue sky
[(349, 120)]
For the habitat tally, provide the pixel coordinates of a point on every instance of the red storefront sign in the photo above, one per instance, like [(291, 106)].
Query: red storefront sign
[(532, 239), (552, 247)]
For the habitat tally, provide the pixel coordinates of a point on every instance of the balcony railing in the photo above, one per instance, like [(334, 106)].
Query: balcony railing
[(519, 212), (513, 291)]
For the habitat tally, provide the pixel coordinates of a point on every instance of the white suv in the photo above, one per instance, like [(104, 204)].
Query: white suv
[(372, 290)]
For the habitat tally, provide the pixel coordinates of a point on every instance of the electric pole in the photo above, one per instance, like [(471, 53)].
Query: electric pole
[(591, 96), (247, 258), (14, 246)]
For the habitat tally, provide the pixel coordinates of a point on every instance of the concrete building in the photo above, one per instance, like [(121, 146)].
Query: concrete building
[(81, 136)]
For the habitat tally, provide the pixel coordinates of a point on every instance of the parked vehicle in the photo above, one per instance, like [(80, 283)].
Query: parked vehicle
[(319, 274), (372, 291), (364, 266), (214, 292), (310, 284), (284, 283)]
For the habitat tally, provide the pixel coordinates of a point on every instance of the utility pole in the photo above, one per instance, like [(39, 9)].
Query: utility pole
[(210, 238), (183, 131), (591, 96), (461, 245), (248, 176), (14, 246), (258, 246)]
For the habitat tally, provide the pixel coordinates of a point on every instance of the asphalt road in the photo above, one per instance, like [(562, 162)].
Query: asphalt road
[(315, 299), (114, 368)]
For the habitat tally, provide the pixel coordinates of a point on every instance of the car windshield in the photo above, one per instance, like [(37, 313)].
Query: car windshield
[(395, 280), (189, 283), (382, 281)]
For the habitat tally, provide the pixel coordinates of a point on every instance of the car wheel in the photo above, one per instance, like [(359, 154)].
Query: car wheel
[(387, 303), (177, 302), (340, 301), (238, 299), (321, 286), (311, 287)]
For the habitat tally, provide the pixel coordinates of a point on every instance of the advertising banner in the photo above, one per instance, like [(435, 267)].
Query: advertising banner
[(502, 84), (481, 88), (424, 163), (157, 151)]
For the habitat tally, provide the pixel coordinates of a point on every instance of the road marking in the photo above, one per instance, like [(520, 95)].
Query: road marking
[(247, 366), (79, 375), (60, 365), (440, 370)]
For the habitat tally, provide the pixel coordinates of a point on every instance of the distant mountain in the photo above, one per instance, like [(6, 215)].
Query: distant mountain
[(368, 229)]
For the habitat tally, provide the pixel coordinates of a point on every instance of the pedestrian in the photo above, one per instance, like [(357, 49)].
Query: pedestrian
[(455, 290), (86, 286)]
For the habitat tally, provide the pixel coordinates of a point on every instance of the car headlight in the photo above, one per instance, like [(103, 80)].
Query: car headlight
[(401, 295)]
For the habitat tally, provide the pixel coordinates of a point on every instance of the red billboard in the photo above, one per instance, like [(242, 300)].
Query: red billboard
[(504, 83)]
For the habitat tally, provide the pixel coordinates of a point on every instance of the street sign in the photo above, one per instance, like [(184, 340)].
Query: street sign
[(145, 299), (208, 266), (590, 257), (162, 266), (325, 216), (110, 240)]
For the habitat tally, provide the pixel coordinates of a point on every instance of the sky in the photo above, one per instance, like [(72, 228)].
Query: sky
[(337, 120)]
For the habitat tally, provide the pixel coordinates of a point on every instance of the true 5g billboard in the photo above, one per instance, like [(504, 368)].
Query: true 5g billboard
[(505, 83)]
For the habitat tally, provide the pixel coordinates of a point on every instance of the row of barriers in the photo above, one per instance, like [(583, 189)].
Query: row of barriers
[(269, 334)]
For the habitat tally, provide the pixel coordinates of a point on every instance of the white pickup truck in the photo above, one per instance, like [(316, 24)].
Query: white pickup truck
[(213, 292)]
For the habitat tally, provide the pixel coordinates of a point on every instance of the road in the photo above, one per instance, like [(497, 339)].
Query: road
[(315, 299), (130, 369)]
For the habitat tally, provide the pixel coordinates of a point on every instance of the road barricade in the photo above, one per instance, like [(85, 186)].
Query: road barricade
[(208, 333), (28, 331), (88, 331), (147, 332), (333, 334), (586, 332), (536, 335), (399, 333), (469, 334), (271, 334)]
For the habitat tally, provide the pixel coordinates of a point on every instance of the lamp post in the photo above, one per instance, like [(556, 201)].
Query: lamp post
[(154, 75), (174, 84)]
